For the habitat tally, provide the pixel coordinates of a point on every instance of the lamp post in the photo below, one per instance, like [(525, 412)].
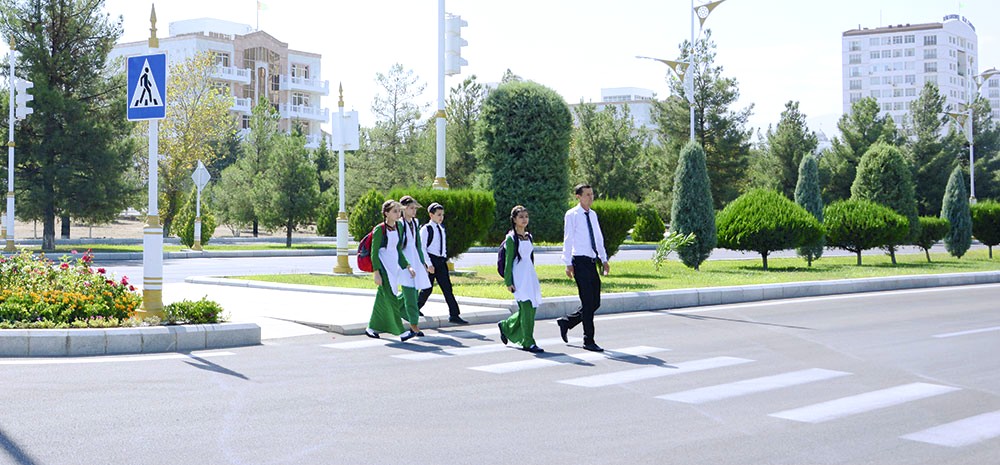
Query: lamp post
[(152, 233), (346, 136), (976, 84)]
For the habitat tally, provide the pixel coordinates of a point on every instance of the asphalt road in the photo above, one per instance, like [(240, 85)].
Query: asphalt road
[(908, 377)]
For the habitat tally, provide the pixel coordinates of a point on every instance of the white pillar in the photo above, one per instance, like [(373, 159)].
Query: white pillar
[(343, 266), (440, 181), (10, 158), (152, 233)]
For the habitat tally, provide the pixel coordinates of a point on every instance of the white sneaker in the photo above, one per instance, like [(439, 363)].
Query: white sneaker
[(406, 336), (371, 333)]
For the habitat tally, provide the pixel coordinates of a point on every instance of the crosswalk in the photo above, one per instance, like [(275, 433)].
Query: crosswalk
[(647, 363)]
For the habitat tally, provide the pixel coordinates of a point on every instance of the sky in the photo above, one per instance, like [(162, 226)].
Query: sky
[(777, 50)]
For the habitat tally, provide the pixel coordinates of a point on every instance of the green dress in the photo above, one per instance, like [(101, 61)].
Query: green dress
[(388, 305), (520, 327)]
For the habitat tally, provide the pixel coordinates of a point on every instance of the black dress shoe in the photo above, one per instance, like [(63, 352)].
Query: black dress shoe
[(371, 333), (457, 320), (563, 329), (419, 334), (420, 313), (534, 349), (503, 337), (406, 336), (593, 347)]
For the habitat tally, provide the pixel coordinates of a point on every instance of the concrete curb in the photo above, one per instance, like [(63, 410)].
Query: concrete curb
[(555, 307), (117, 341)]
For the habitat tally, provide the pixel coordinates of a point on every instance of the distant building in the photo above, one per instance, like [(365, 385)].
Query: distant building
[(250, 65), (639, 101), (991, 91), (893, 63)]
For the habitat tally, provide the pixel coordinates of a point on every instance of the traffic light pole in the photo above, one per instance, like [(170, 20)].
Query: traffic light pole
[(440, 181), (10, 158)]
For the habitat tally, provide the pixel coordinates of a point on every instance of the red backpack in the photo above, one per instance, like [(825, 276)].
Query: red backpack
[(365, 250)]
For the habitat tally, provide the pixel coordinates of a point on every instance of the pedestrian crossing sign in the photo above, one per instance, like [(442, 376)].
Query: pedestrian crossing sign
[(147, 87)]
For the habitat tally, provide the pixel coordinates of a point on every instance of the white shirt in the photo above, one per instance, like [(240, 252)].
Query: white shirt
[(576, 238), (437, 246)]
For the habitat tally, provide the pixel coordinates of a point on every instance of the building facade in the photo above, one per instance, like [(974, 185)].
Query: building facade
[(639, 101), (250, 65), (892, 64)]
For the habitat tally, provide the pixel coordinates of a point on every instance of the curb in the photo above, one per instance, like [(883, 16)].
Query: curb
[(556, 307), (117, 341)]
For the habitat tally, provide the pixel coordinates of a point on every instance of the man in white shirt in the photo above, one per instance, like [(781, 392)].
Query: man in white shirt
[(435, 245), (583, 255)]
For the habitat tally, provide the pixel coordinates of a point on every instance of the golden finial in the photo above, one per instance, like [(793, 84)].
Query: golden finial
[(341, 102), (12, 43), (153, 41)]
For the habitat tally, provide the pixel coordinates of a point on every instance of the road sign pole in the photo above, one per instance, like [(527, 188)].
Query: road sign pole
[(342, 267), (201, 176), (152, 234), (9, 236)]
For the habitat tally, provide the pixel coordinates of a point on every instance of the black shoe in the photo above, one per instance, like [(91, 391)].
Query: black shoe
[(371, 333), (592, 347), (406, 336), (457, 320), (420, 313), (503, 337), (534, 349), (563, 329), (419, 334)]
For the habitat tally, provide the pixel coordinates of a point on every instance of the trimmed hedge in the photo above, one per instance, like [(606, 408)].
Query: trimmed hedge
[(858, 225), (763, 221), (616, 218), (986, 223), (649, 227), (365, 214), (468, 214), (932, 229)]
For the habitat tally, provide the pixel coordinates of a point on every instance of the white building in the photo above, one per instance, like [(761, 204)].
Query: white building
[(991, 91), (892, 64), (639, 101), (250, 65)]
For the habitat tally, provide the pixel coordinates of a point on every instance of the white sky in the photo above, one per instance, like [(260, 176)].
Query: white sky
[(778, 50)]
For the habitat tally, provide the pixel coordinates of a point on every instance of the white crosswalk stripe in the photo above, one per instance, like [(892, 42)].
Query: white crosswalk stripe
[(751, 386), (847, 406), (474, 350), (962, 432), (639, 374), (389, 339), (557, 360)]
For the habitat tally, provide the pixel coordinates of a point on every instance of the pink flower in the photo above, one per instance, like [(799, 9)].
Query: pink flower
[(131, 288), (73, 251), (109, 282), (64, 266), (124, 280), (101, 271)]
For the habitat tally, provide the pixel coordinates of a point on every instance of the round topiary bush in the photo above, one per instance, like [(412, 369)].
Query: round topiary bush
[(858, 225), (932, 230), (616, 218), (986, 223), (649, 227), (763, 221), (326, 215), (184, 223), (468, 214), (366, 214)]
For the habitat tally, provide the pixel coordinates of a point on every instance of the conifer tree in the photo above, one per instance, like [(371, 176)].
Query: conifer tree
[(692, 210), (884, 177), (808, 195), (955, 209)]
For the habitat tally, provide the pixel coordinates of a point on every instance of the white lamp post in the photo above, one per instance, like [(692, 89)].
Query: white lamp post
[(346, 136)]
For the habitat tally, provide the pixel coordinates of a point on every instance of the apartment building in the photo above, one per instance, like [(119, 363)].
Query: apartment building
[(893, 63), (250, 65), (639, 101)]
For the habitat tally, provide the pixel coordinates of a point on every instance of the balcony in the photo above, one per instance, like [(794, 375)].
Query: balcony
[(304, 85), (224, 73), (313, 141), (242, 105), (304, 112)]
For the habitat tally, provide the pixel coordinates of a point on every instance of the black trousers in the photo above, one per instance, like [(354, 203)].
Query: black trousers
[(443, 279), (588, 285)]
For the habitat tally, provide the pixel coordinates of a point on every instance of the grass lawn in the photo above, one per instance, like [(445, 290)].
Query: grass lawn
[(633, 276)]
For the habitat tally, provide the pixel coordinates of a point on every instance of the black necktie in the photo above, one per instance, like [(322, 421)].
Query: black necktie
[(441, 238), (590, 229)]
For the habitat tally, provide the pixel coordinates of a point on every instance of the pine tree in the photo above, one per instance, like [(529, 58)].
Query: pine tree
[(859, 129), (807, 195), (789, 143), (292, 192), (955, 209), (884, 177), (925, 151), (693, 211)]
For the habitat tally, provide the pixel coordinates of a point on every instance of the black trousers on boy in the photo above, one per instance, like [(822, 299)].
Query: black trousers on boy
[(443, 279), (588, 285)]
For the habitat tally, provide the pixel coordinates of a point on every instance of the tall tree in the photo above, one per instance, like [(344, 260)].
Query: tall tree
[(859, 129), (884, 177), (925, 152), (692, 208), (196, 123), (239, 195), (955, 209), (721, 131), (72, 153), (789, 143), (986, 134), (462, 109), (610, 151), (807, 194), (291, 191)]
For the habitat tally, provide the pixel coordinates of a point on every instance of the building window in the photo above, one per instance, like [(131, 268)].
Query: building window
[(854, 59), (897, 39), (994, 93), (897, 80), (886, 80), (855, 46), (300, 71), (245, 122), (909, 39), (855, 96), (909, 52), (930, 53), (300, 99), (897, 106), (220, 59), (887, 106), (873, 55), (930, 79), (873, 80), (930, 67), (930, 40), (886, 53), (897, 92), (275, 82), (873, 41), (855, 84), (910, 78), (855, 72), (875, 94), (911, 92), (897, 53)]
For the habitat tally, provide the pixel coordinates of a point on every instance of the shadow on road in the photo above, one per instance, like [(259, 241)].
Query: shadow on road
[(14, 451), (734, 320), (209, 366)]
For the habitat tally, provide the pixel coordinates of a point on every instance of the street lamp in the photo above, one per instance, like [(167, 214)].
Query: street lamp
[(965, 121)]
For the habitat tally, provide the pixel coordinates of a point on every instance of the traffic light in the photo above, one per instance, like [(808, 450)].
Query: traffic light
[(22, 97), (453, 43)]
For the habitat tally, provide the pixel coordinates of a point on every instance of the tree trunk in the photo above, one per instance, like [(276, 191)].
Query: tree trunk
[(764, 255), (166, 227), (991, 251), (49, 229), (64, 222), (288, 234), (859, 258), (256, 225), (892, 255), (927, 252)]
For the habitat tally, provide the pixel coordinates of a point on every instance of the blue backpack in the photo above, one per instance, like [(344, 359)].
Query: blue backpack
[(502, 253)]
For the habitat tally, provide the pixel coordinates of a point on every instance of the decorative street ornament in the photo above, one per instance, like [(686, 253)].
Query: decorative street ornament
[(679, 68), (704, 10)]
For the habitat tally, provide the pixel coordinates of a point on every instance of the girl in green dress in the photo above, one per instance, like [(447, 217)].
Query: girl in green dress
[(390, 268), (520, 277)]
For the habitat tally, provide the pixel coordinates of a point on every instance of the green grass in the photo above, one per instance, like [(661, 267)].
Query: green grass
[(634, 276)]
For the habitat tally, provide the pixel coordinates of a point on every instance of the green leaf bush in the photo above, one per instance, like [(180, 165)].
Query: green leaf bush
[(186, 311), (365, 214), (326, 215), (616, 218), (649, 227), (184, 222), (858, 225), (764, 221), (986, 223), (932, 230), (468, 214)]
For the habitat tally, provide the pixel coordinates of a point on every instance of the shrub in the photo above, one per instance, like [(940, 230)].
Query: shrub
[(365, 214), (326, 215), (649, 226), (524, 131), (955, 209), (468, 214), (692, 210), (858, 225), (884, 177), (184, 223), (986, 223), (808, 195), (203, 311), (931, 230), (763, 221), (616, 218)]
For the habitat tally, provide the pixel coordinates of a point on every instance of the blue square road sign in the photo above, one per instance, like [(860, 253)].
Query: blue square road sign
[(147, 87)]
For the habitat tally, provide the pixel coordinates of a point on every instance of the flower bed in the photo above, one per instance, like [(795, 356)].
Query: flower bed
[(36, 292)]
